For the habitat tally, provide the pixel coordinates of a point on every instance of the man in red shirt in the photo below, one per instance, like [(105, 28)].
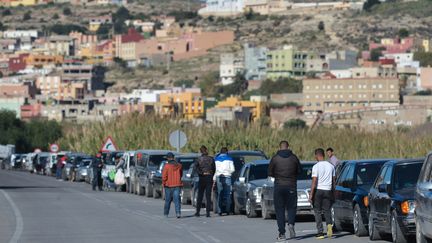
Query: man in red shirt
[(171, 180)]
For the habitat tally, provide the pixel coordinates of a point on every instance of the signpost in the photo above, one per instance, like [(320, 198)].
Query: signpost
[(109, 145), (54, 148), (177, 139)]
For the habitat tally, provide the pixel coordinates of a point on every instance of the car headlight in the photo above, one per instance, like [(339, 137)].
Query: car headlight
[(407, 207), (257, 192)]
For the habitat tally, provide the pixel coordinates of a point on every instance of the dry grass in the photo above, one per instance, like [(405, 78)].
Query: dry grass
[(147, 132)]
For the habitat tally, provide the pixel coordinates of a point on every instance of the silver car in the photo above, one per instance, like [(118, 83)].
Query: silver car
[(304, 181), (423, 201)]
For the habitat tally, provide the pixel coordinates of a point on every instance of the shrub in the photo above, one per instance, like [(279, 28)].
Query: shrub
[(295, 124)]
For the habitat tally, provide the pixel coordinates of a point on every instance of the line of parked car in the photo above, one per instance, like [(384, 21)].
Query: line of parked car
[(378, 197)]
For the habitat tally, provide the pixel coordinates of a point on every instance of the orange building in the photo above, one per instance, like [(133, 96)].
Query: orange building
[(186, 103), (42, 60), (256, 104)]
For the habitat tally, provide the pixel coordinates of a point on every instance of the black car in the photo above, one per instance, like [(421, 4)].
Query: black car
[(247, 188), (240, 158), (391, 200), (423, 200), (352, 188), (145, 166)]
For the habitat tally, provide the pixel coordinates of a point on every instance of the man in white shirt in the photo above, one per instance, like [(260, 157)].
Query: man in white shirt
[(224, 169), (321, 195)]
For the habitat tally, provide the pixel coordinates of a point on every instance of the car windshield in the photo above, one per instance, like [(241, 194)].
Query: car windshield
[(366, 174), (156, 160), (186, 163), (405, 176), (306, 173), (258, 172), (240, 160), (43, 159), (85, 162)]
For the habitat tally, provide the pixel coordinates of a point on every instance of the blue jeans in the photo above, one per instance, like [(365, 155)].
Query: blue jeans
[(58, 173), (224, 188), (172, 194)]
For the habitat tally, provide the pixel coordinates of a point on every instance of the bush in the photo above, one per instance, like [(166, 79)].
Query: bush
[(321, 26), (184, 83), (295, 124), (56, 16), (6, 12), (376, 53), (61, 29), (67, 11), (424, 92), (27, 16), (425, 58), (403, 33)]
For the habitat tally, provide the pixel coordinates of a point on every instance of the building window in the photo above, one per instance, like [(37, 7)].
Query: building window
[(380, 86)]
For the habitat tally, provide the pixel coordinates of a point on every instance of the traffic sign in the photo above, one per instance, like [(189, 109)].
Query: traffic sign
[(54, 148), (177, 139), (109, 145)]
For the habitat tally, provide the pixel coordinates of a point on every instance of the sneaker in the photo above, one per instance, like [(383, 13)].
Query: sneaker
[(208, 215), (178, 216), (291, 231), (281, 238), (197, 215), (320, 236), (329, 231)]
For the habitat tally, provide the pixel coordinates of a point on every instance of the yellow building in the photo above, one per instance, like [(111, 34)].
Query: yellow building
[(17, 3), (257, 105), (186, 103), (427, 45), (42, 60)]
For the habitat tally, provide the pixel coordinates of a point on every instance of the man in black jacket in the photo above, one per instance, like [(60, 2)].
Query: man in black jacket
[(97, 165), (206, 168), (285, 167)]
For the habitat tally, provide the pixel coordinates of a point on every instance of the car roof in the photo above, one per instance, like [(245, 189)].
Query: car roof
[(405, 161), (259, 162), (368, 161), (189, 155), (308, 162), (245, 152), (155, 152)]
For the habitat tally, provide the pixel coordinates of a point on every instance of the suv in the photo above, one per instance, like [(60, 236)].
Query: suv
[(352, 188), (146, 163), (391, 200), (247, 188), (423, 199)]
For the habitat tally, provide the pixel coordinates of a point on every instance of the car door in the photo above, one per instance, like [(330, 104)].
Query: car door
[(373, 196), (239, 187), (384, 200), (348, 193), (424, 197), (337, 205)]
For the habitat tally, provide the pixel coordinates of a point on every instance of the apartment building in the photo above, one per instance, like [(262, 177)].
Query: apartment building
[(230, 66), (334, 95), (92, 75), (222, 8), (178, 102), (255, 62), (286, 62), (54, 87)]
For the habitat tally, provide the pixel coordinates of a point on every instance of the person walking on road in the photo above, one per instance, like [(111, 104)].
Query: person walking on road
[(332, 157), (59, 167), (206, 168), (321, 195), (285, 167), (224, 169), (97, 173), (171, 180)]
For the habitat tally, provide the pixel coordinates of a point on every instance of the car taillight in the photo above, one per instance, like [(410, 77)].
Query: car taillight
[(405, 207), (366, 201)]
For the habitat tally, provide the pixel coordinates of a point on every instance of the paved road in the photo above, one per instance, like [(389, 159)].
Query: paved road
[(36, 208)]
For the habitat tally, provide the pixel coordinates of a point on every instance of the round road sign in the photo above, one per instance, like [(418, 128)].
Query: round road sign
[(54, 148), (178, 139)]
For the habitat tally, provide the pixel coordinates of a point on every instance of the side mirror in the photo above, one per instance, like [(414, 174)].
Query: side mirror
[(383, 188), (242, 180)]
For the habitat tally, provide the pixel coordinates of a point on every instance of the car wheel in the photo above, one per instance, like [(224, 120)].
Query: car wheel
[(420, 238), (337, 226), (374, 234), (265, 212), (397, 235), (359, 227), (149, 190), (250, 210)]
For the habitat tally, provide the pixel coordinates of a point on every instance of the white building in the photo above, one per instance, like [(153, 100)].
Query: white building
[(14, 34), (143, 95), (230, 66), (222, 8), (401, 59)]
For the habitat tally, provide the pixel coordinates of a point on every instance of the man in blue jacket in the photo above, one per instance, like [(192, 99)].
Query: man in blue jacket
[(224, 169)]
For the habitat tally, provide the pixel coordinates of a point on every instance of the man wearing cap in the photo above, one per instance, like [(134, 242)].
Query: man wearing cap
[(97, 172), (171, 180)]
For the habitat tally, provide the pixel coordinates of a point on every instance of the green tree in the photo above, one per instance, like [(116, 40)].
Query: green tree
[(104, 30), (281, 85), (27, 16), (403, 33), (295, 124), (65, 29), (238, 87), (425, 58), (424, 92), (2, 27), (67, 11), (56, 16), (321, 26), (208, 84), (41, 133), (376, 53), (369, 4), (187, 83)]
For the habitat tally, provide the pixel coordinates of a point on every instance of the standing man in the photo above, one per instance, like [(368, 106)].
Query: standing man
[(171, 180), (205, 167), (332, 158), (59, 167), (321, 195), (97, 172), (224, 169), (285, 167)]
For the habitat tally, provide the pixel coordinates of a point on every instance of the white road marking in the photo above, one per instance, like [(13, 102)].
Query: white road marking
[(188, 210), (214, 239), (19, 225)]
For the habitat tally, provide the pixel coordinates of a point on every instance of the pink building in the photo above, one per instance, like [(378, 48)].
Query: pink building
[(426, 77), (391, 46), (32, 111)]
